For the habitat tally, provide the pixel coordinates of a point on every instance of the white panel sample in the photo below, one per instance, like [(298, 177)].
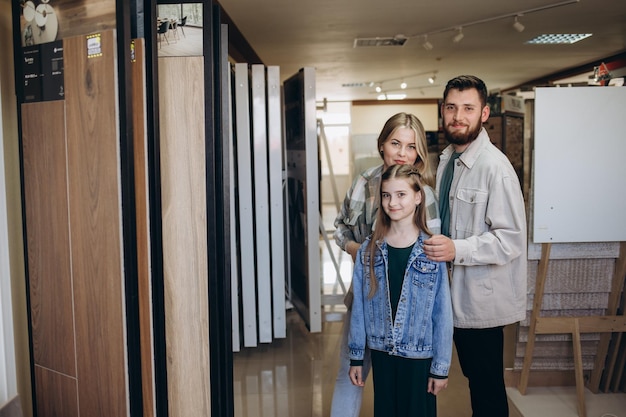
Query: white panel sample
[(312, 201), (234, 238), (244, 194), (275, 167), (261, 203)]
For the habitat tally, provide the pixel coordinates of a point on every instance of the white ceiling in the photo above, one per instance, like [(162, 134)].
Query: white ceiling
[(293, 34)]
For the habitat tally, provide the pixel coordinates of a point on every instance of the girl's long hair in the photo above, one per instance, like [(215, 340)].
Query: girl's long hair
[(411, 174)]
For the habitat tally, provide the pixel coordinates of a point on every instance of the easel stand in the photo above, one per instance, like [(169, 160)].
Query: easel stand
[(575, 326)]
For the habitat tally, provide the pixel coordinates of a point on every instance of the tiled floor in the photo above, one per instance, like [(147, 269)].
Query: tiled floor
[(562, 402)]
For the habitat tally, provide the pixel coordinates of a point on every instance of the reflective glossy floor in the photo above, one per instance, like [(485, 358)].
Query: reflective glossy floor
[(294, 376)]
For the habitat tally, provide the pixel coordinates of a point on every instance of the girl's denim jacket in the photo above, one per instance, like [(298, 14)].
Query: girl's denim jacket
[(423, 321)]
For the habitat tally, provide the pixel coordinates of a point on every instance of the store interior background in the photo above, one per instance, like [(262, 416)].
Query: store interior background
[(352, 120)]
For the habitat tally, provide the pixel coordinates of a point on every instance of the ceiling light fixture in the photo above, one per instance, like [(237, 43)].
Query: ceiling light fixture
[(517, 25), (427, 45), (393, 88), (457, 38)]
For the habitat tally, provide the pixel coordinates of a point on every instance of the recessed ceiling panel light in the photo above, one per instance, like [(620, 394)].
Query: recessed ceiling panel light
[(398, 40), (558, 38), (353, 85)]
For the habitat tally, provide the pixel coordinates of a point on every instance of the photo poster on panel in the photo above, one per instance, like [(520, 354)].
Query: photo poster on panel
[(579, 171), (303, 195)]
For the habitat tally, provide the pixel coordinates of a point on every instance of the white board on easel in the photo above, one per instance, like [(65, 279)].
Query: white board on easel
[(579, 170)]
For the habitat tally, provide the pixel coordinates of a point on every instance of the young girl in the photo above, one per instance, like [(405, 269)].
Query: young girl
[(402, 140), (401, 308)]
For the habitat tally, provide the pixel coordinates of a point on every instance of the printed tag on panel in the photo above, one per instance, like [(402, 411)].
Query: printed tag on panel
[(94, 45)]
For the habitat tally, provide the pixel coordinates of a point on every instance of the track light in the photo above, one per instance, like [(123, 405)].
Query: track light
[(457, 38), (403, 85), (432, 79), (427, 45), (518, 26), (378, 88)]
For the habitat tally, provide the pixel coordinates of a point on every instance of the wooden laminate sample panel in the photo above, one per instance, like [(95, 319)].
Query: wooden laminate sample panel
[(95, 218), (140, 152), (49, 274), (183, 193), (56, 394)]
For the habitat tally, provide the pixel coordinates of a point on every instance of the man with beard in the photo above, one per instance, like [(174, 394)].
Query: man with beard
[(483, 239)]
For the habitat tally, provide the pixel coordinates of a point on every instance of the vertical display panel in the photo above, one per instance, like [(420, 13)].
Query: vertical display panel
[(276, 195), (246, 205), (185, 263), (303, 195), (234, 241), (95, 216), (261, 203)]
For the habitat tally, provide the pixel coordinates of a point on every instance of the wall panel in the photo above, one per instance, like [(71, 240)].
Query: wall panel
[(56, 394), (47, 219), (95, 232), (183, 188), (140, 150)]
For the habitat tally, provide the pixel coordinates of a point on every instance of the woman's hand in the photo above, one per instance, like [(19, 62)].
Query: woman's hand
[(356, 376), (352, 248), (435, 385)]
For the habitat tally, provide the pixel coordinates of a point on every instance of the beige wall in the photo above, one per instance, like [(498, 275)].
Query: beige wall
[(371, 118), (14, 210)]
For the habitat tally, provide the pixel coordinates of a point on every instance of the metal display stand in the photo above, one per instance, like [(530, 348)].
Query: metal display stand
[(303, 196), (338, 280)]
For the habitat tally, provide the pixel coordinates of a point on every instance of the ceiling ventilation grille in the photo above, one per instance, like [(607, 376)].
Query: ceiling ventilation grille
[(397, 40)]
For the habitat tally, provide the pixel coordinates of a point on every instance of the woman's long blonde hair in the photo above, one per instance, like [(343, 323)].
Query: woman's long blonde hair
[(410, 121), (413, 177)]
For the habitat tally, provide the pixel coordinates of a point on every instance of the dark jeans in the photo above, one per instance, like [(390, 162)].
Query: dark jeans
[(480, 354)]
